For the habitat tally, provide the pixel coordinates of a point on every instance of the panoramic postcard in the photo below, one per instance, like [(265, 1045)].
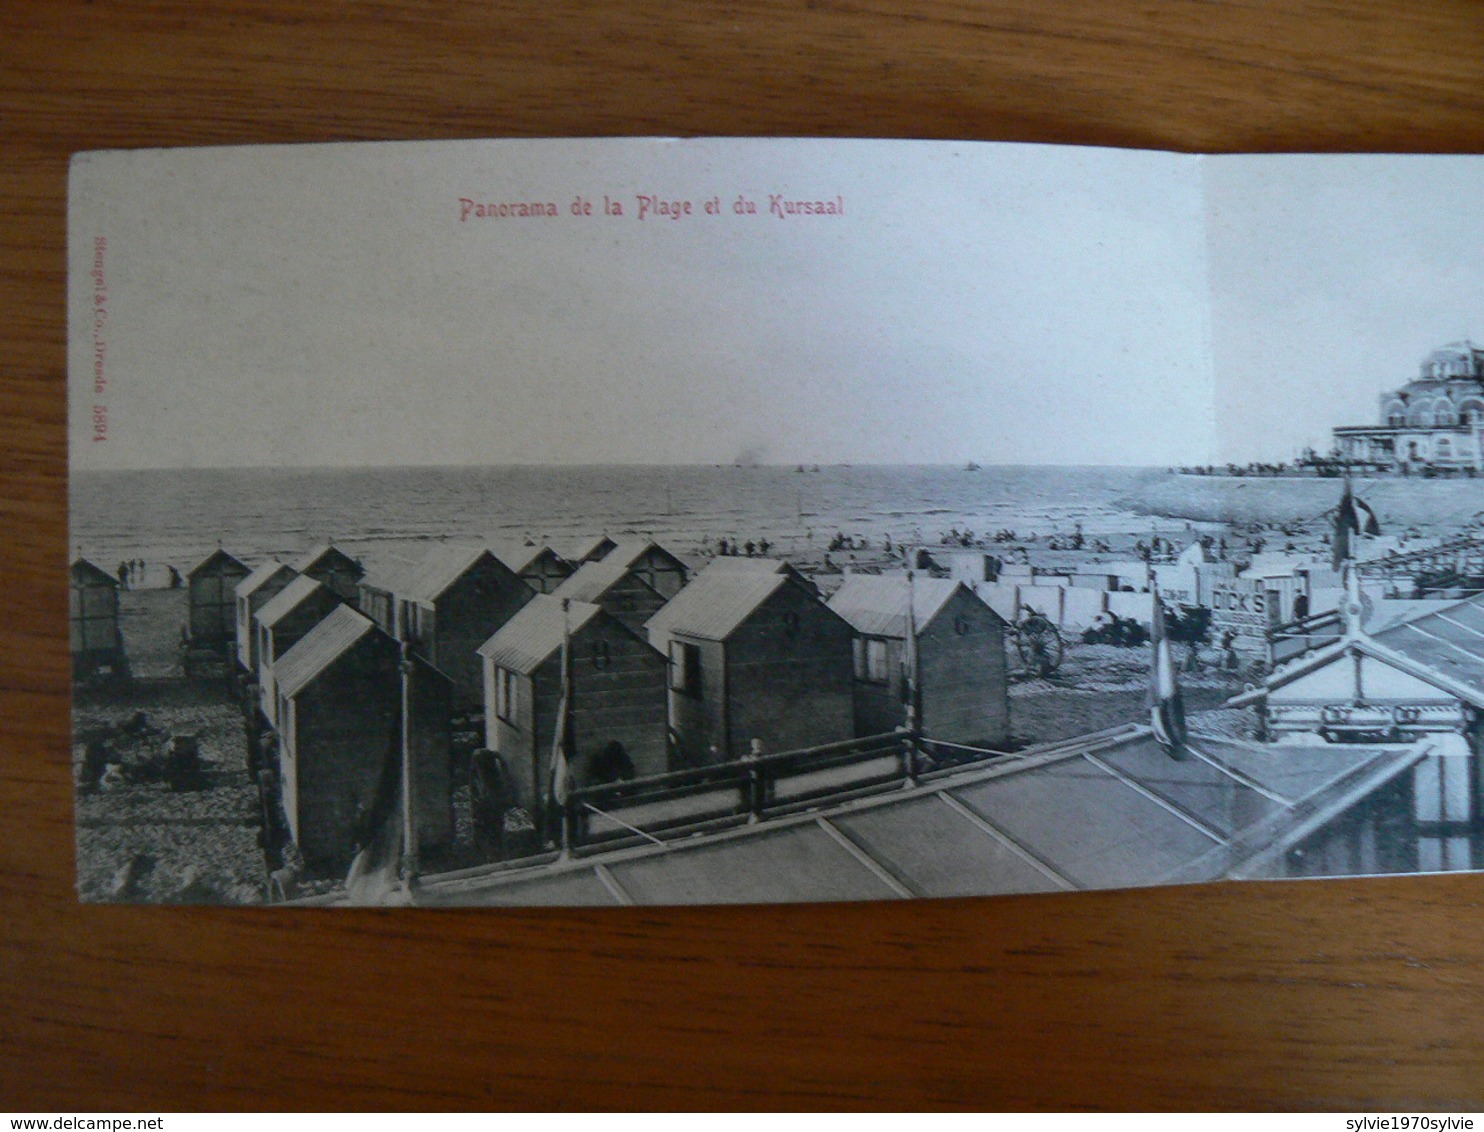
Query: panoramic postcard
[(653, 521)]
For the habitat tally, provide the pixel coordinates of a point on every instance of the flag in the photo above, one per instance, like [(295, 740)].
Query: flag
[(1352, 517), (561, 772), (1167, 708)]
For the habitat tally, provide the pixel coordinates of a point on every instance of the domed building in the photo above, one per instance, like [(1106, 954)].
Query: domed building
[(1436, 420)]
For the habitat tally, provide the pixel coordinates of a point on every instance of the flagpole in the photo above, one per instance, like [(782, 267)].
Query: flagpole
[(909, 673), (409, 779), (1167, 707), (561, 740), (909, 668)]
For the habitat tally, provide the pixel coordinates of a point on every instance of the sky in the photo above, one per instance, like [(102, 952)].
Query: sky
[(340, 305), (1333, 276)]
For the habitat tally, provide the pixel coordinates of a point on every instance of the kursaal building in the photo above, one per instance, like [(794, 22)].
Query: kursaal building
[(1435, 421)]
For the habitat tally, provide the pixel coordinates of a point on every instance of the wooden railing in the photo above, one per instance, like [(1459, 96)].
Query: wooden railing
[(669, 805)]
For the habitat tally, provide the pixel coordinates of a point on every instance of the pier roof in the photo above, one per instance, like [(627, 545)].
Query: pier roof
[(1107, 811), (528, 640), (876, 605), (1454, 670), (319, 648), (712, 606), (1449, 641)]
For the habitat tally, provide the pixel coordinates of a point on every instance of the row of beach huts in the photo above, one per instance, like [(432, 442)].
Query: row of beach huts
[(645, 664)]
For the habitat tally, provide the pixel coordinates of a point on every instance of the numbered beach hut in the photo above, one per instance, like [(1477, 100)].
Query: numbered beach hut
[(213, 602), (281, 624), (962, 683), (754, 656), (540, 567), (614, 586), (617, 703), (330, 565), (339, 693), (448, 604), (252, 593), (93, 621)]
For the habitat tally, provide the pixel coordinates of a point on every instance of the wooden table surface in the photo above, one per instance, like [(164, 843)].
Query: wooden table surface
[(1347, 995)]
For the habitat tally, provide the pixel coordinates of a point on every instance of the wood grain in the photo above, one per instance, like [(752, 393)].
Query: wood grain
[(1354, 995)]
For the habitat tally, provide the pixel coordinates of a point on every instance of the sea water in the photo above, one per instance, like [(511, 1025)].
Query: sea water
[(382, 515)]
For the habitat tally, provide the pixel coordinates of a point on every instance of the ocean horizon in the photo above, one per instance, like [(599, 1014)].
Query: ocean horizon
[(177, 516)]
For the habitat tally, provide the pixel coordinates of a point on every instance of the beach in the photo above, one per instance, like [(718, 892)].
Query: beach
[(143, 839)]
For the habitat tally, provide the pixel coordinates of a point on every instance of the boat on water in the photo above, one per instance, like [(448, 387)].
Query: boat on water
[(971, 466)]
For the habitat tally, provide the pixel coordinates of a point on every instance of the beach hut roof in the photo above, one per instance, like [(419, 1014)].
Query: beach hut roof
[(219, 561), (876, 606), (595, 547), (528, 640), (260, 577), (86, 573), (315, 556), (714, 605), (736, 564), (592, 580), (319, 648), (519, 556), (286, 600), (631, 548), (442, 566)]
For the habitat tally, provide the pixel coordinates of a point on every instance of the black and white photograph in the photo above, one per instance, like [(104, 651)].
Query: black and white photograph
[(656, 522)]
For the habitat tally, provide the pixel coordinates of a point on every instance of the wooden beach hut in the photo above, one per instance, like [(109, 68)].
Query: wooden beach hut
[(93, 621), (330, 565), (449, 603), (251, 594), (540, 567), (281, 624), (754, 656), (376, 597), (614, 586), (962, 682), (652, 564), (617, 707), (213, 602), (339, 707)]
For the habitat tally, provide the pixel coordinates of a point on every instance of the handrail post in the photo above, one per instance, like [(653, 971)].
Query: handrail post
[(753, 785), (909, 757), (567, 822)]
